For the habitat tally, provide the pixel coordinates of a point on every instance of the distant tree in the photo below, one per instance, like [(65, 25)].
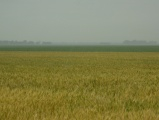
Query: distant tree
[(139, 42), (46, 43)]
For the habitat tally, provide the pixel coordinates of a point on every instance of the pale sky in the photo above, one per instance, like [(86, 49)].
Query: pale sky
[(79, 20)]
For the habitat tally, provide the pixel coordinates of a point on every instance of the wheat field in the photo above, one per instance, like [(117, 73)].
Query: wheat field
[(79, 85)]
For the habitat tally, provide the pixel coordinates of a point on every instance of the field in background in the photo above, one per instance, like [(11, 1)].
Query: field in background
[(82, 48), (79, 85)]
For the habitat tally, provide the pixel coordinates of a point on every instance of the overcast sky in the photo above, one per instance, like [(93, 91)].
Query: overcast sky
[(79, 20)]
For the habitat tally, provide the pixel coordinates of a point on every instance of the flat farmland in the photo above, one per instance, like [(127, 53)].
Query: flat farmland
[(79, 85), (81, 48)]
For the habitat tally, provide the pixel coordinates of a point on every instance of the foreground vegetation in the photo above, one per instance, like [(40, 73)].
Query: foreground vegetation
[(70, 85)]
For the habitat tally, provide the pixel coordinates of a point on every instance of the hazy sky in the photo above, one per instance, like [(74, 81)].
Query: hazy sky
[(79, 20)]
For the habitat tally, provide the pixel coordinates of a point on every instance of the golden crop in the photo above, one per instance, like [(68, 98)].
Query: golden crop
[(76, 85)]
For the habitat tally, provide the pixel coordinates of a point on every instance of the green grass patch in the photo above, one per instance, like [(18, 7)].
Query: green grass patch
[(97, 48)]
